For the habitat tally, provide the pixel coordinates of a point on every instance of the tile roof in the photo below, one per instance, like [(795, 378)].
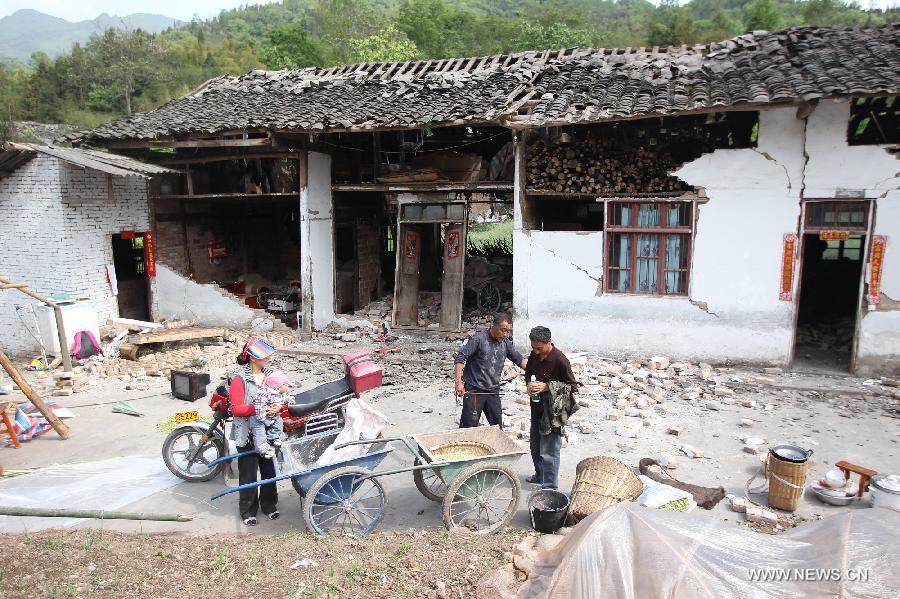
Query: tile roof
[(536, 88), (14, 155)]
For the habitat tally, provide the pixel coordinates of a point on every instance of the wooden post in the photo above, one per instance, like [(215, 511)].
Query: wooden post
[(17, 378), (57, 312)]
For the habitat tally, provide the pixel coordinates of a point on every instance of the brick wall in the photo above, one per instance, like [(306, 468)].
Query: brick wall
[(368, 247), (58, 246)]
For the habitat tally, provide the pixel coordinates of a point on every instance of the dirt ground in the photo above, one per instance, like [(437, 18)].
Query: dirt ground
[(838, 416), (97, 563)]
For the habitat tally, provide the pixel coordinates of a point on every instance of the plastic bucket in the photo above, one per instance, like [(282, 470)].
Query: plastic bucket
[(548, 509)]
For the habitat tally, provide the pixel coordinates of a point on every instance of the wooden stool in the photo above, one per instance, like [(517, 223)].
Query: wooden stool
[(7, 423), (864, 474)]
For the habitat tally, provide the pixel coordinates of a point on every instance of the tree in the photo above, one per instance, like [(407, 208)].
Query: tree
[(762, 14), (130, 60), (532, 36), (390, 45), (291, 47)]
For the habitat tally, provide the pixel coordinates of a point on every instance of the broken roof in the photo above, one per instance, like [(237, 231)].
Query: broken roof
[(14, 155), (533, 89)]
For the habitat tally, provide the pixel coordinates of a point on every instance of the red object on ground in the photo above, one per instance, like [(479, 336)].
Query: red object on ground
[(387, 350), (363, 372)]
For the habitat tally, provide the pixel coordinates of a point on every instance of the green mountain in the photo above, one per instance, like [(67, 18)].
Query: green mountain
[(26, 31)]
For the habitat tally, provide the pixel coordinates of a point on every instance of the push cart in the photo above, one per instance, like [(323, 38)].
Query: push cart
[(467, 470)]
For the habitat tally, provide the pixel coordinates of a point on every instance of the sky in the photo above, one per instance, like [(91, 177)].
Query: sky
[(184, 10), (81, 10)]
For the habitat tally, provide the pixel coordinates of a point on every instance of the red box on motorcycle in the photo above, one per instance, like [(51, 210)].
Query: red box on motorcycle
[(362, 371)]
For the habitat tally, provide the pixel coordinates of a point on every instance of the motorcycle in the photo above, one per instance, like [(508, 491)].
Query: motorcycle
[(191, 447)]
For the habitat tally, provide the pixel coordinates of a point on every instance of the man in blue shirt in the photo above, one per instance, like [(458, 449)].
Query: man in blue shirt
[(479, 365)]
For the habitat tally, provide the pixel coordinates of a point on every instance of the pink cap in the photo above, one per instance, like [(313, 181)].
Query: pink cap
[(276, 379)]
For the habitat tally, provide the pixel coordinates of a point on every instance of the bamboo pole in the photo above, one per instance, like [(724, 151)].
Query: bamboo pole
[(99, 514), (14, 374), (57, 312)]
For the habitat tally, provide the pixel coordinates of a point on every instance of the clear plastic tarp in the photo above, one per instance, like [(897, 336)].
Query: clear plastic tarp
[(633, 552), (104, 485)]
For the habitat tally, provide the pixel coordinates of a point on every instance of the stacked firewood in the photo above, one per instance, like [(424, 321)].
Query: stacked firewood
[(600, 167)]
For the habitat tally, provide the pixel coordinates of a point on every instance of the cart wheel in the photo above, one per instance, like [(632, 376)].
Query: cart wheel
[(482, 498), (489, 298), (430, 484), (338, 503)]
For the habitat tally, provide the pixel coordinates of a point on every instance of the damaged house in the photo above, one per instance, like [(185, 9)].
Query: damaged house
[(730, 202), (75, 224)]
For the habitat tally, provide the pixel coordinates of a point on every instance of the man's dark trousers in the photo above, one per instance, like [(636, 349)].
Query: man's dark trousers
[(545, 455), (476, 401)]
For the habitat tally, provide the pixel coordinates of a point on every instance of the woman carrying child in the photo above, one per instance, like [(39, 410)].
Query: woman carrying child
[(254, 358)]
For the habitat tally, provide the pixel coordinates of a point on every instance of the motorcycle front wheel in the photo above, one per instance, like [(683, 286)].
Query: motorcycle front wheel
[(181, 444)]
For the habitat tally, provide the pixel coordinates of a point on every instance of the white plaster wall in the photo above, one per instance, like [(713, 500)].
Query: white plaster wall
[(59, 247), (733, 311), (317, 240), (177, 297), (835, 168), (878, 346), (736, 314)]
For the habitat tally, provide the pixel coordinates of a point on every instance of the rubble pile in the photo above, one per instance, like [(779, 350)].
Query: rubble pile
[(160, 361)]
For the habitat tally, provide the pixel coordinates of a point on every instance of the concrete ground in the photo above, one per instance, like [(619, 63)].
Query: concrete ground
[(836, 416)]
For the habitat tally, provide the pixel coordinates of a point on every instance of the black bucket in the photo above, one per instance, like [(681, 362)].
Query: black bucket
[(548, 510)]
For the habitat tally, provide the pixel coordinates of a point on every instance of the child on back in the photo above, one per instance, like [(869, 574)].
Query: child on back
[(267, 430)]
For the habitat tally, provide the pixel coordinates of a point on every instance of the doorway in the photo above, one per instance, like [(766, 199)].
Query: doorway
[(428, 289), (832, 259), (131, 275)]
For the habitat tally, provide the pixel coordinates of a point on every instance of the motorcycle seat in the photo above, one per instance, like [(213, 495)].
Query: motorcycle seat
[(319, 397)]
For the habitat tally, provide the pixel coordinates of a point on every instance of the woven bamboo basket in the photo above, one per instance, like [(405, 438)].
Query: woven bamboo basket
[(787, 481), (600, 482), (460, 450)]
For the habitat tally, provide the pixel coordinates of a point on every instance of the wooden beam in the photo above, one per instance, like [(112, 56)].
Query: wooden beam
[(57, 312), (195, 143), (446, 186), (57, 424), (231, 196), (225, 157), (182, 334)]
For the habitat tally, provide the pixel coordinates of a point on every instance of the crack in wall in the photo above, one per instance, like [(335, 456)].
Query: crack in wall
[(552, 253), (703, 306), (768, 156), (805, 160)]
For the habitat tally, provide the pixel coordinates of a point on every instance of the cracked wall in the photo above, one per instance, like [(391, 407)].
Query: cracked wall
[(732, 312)]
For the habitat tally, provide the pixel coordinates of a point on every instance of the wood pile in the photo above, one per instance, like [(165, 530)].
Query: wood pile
[(601, 167)]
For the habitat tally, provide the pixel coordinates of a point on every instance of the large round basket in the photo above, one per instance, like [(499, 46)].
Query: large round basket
[(462, 450), (599, 483)]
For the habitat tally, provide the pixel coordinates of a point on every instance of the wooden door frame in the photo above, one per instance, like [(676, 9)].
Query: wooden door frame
[(801, 249)]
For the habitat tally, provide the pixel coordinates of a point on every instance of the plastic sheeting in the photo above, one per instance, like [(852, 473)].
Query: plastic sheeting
[(361, 422), (628, 551), (104, 485)]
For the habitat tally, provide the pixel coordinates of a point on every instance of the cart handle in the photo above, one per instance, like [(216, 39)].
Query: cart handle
[(404, 439)]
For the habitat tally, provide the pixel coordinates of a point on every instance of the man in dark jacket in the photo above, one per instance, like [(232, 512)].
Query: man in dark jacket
[(479, 365), (546, 364)]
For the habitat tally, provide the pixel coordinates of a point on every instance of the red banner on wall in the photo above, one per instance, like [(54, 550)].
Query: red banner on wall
[(149, 254), (875, 266), (411, 246), (834, 235), (453, 244), (787, 267)]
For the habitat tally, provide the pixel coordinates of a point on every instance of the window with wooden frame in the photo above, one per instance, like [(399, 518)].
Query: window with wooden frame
[(828, 216), (649, 247)]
